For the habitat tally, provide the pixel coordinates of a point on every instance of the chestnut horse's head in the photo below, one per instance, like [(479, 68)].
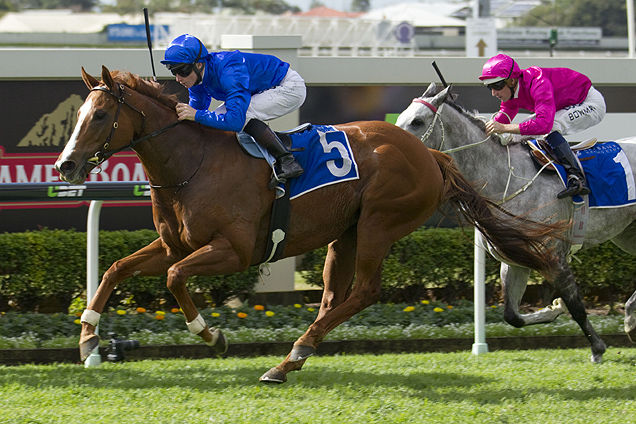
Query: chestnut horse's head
[(105, 125)]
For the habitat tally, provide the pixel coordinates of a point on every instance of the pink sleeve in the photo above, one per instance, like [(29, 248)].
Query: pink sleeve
[(506, 114), (542, 94)]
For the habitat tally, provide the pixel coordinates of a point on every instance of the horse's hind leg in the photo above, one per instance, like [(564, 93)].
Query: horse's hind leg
[(366, 291), (627, 242), (150, 260), (338, 275)]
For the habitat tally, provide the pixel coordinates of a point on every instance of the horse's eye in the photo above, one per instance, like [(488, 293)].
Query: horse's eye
[(417, 122), (99, 115)]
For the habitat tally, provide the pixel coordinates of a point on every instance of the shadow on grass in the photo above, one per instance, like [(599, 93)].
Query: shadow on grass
[(331, 376)]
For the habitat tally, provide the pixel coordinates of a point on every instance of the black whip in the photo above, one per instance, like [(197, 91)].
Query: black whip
[(152, 62), (439, 73)]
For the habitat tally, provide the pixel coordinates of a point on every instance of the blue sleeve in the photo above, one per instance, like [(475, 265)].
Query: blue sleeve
[(199, 99), (234, 79)]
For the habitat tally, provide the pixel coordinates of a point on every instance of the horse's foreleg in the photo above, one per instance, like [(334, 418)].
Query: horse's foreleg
[(514, 280), (569, 291), (150, 260), (216, 258), (630, 318)]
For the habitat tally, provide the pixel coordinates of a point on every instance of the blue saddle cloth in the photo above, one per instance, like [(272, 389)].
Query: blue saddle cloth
[(325, 155), (608, 174)]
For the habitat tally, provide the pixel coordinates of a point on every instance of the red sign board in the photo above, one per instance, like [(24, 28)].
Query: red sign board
[(40, 168)]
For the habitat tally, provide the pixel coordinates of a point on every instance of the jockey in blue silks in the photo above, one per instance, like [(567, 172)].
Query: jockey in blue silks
[(253, 88)]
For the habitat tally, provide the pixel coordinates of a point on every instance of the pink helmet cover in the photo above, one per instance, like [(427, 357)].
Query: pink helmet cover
[(499, 67)]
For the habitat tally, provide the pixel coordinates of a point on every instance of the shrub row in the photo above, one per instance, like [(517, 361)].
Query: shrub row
[(51, 264), (438, 263), (125, 322)]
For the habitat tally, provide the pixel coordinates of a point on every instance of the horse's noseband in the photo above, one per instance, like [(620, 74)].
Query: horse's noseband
[(437, 116)]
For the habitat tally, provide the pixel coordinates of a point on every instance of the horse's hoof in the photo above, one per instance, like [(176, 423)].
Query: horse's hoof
[(558, 305), (274, 376), (87, 347), (221, 344), (301, 352)]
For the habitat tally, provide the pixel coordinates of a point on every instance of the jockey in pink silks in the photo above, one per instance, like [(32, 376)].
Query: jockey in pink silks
[(563, 102)]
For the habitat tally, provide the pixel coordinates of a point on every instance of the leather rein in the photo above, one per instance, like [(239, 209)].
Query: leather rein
[(103, 154), (511, 174)]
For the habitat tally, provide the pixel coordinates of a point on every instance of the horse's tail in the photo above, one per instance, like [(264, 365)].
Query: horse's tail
[(517, 239)]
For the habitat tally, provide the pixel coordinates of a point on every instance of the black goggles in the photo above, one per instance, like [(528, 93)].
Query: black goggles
[(497, 85), (181, 69)]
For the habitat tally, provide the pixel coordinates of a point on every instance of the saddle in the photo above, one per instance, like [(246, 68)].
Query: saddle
[(543, 155), (286, 139)]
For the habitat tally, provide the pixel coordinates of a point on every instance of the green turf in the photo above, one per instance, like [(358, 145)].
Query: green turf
[(542, 386)]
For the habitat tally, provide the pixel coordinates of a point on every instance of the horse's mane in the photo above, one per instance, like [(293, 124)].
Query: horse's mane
[(145, 87)]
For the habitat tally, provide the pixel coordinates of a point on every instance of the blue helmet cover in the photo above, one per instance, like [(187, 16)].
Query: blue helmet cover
[(185, 48)]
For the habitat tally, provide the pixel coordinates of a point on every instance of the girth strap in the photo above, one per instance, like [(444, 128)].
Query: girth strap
[(279, 225)]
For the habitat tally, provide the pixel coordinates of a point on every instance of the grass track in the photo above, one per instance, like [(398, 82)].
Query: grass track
[(542, 386)]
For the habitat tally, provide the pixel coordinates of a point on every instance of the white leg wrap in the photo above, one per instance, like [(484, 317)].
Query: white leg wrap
[(197, 325), (91, 317), (215, 337)]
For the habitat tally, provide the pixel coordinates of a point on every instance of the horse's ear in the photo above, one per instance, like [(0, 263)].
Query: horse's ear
[(446, 93), (431, 91), (107, 78), (90, 81), (450, 93)]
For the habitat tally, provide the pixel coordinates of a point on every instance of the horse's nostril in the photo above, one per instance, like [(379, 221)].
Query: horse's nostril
[(67, 166)]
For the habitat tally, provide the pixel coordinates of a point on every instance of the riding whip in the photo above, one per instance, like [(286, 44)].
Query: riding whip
[(152, 62), (439, 73)]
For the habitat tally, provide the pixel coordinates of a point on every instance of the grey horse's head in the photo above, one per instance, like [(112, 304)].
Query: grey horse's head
[(417, 118)]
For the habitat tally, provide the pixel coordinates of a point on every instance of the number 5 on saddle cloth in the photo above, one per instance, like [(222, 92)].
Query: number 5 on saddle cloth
[(325, 155)]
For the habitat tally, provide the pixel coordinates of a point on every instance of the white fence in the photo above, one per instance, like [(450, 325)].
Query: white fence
[(321, 36)]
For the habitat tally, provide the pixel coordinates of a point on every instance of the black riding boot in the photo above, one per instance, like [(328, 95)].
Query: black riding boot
[(576, 180), (267, 138)]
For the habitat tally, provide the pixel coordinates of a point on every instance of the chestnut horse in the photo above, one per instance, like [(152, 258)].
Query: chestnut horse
[(211, 207)]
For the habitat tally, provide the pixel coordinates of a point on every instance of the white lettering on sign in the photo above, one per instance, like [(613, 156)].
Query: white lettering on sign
[(40, 168)]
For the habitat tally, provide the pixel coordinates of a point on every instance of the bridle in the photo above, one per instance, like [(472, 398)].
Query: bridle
[(431, 127), (438, 116), (102, 154)]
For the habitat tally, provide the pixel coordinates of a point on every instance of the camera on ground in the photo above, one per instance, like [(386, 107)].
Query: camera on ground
[(117, 347)]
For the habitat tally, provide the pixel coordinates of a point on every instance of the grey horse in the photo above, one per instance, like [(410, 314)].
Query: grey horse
[(506, 173)]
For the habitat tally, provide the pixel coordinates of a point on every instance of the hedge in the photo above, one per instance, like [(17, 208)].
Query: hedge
[(37, 266), (45, 265), (442, 259)]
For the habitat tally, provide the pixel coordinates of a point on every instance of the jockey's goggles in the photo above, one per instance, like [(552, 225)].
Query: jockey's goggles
[(181, 69), (497, 85)]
